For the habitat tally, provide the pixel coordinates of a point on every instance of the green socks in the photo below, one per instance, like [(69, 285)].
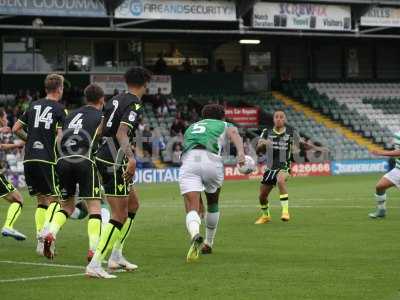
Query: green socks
[(40, 216), (14, 210), (126, 229), (94, 231)]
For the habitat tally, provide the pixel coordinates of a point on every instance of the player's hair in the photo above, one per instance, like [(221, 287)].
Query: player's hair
[(2, 112), (53, 82), (137, 76), (213, 111), (93, 93), (279, 110)]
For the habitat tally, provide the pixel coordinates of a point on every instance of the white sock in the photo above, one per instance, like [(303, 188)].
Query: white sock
[(75, 214), (380, 201), (116, 254), (212, 219), (193, 222)]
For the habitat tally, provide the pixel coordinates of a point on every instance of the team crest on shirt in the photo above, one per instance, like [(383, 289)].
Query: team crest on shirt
[(132, 116)]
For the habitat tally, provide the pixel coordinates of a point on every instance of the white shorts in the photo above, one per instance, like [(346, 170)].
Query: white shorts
[(394, 177), (201, 171)]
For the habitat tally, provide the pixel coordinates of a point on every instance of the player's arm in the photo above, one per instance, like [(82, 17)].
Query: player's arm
[(124, 143), (16, 145), (100, 129), (236, 139), (263, 142), (310, 146), (18, 130), (388, 153)]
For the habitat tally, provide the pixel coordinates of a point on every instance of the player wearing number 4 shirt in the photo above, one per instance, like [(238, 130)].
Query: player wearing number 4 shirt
[(116, 163), (39, 126), (76, 166)]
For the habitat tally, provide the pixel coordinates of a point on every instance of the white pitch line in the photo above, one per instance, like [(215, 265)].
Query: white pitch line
[(40, 278), (41, 264)]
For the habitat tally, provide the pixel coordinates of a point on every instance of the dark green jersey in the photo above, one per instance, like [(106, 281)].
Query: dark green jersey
[(280, 156)]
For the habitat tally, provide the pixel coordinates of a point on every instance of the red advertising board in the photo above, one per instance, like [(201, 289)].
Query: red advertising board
[(244, 116), (311, 169), (297, 170)]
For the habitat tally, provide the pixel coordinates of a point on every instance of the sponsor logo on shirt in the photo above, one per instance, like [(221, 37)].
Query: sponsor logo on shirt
[(38, 145)]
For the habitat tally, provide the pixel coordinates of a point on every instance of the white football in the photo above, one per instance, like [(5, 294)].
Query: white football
[(248, 167)]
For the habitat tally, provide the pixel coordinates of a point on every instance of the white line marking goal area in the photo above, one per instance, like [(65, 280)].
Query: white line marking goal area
[(61, 266), (22, 279), (39, 278)]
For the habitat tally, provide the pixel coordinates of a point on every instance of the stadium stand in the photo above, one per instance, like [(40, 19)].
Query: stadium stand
[(339, 145), (370, 109)]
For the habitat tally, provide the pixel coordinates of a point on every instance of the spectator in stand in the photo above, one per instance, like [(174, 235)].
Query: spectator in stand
[(246, 146), (141, 125), (147, 143), (177, 127), (36, 96), (194, 116), (185, 115), (174, 52), (187, 65), (160, 67), (171, 102), (147, 98), (220, 64), (176, 154), (160, 104)]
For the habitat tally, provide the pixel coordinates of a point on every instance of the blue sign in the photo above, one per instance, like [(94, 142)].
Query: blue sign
[(359, 166), (59, 8), (156, 175)]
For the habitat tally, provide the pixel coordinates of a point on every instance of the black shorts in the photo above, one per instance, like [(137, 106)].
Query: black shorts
[(41, 178), (270, 176), (82, 173), (6, 186), (112, 179)]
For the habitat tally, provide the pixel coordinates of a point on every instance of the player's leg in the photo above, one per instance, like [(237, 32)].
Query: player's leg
[(191, 186), (57, 222), (193, 222), (213, 178), (265, 190), (283, 194), (117, 260), (267, 185), (48, 188), (94, 225), (212, 219), (117, 198), (14, 210), (80, 211), (386, 182)]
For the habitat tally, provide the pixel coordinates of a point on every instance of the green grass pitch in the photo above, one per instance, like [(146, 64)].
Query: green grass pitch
[(329, 250)]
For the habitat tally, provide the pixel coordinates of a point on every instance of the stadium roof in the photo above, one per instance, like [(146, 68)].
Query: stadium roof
[(238, 27)]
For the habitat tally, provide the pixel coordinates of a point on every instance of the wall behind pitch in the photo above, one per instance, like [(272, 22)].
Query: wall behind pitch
[(388, 61), (293, 59), (328, 62)]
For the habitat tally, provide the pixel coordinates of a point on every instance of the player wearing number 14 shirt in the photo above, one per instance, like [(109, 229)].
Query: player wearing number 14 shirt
[(39, 126)]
